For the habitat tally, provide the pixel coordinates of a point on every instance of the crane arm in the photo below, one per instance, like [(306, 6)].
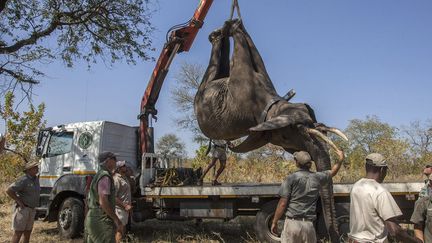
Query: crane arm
[(180, 40)]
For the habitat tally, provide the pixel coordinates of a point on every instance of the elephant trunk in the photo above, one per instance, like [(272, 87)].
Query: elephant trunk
[(317, 146)]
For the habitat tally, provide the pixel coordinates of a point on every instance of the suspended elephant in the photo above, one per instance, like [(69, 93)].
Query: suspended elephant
[(236, 98)]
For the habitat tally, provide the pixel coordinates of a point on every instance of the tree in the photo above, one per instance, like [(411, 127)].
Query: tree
[(170, 146), (188, 80), (21, 133), (373, 136), (41, 31), (419, 136)]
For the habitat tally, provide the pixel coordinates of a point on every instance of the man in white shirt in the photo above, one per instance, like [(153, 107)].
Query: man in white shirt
[(373, 210)]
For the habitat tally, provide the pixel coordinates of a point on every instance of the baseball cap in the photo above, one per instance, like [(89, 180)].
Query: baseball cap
[(120, 163), (302, 157), (106, 155), (376, 159)]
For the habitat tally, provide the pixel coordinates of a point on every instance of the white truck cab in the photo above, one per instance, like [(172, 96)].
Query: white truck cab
[(68, 157)]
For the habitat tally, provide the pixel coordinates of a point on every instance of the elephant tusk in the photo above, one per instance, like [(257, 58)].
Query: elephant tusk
[(335, 131), (323, 137), (323, 128), (338, 132)]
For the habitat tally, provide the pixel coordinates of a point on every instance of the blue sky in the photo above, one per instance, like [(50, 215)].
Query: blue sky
[(346, 58)]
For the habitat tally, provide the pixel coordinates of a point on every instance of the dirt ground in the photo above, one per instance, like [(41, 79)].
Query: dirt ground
[(238, 230)]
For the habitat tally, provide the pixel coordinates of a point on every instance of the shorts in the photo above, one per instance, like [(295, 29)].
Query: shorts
[(218, 154), (123, 215), (23, 218)]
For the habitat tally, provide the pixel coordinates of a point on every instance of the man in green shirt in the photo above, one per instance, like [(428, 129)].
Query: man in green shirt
[(101, 222), (422, 217), (298, 199)]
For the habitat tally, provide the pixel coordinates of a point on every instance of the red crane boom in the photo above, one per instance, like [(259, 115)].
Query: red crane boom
[(180, 40)]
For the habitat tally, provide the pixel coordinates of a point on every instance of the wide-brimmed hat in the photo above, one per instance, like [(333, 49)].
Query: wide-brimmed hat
[(30, 165), (376, 159), (302, 157)]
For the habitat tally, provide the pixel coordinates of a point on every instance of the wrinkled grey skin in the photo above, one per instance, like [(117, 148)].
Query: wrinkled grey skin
[(231, 100)]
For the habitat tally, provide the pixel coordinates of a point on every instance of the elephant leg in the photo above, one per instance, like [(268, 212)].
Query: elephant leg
[(216, 57), (256, 57), (253, 141), (242, 66)]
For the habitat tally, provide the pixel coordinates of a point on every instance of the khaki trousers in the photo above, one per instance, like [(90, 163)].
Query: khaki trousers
[(295, 231)]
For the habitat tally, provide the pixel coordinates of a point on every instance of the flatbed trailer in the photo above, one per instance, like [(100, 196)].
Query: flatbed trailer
[(230, 200)]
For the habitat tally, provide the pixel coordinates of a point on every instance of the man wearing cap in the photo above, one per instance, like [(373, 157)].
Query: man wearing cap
[(299, 195), (426, 191), (420, 217), (25, 192), (372, 209), (123, 196), (101, 221)]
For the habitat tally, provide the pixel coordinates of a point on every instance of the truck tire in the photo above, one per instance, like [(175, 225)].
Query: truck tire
[(263, 223), (70, 220), (343, 224)]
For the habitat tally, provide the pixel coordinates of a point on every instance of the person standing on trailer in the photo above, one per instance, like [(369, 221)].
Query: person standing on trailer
[(217, 152), (298, 199)]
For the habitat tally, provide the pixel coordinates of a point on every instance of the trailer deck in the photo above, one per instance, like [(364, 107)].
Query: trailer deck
[(234, 190)]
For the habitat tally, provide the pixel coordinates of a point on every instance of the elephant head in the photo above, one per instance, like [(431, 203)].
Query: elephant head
[(236, 98)]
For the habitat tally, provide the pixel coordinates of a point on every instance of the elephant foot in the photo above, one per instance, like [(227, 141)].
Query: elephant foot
[(232, 25), (216, 35)]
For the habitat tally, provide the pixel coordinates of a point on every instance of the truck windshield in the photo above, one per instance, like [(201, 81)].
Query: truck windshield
[(60, 143)]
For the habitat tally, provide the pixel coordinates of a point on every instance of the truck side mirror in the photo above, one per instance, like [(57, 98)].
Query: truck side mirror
[(2, 143)]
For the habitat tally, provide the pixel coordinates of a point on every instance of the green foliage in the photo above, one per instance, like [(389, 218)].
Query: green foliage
[(170, 146), (201, 159), (269, 163), (46, 30), (22, 130)]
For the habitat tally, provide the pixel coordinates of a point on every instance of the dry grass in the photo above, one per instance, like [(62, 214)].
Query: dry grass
[(210, 231), (42, 231)]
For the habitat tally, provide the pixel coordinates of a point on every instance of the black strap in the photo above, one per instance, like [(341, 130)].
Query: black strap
[(208, 147), (267, 108)]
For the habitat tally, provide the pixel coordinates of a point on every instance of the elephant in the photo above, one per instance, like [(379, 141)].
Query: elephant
[(237, 98)]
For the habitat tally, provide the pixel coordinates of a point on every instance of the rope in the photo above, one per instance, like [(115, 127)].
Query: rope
[(235, 5)]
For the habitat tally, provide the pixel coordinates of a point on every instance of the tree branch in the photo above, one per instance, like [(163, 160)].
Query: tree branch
[(33, 38), (18, 77)]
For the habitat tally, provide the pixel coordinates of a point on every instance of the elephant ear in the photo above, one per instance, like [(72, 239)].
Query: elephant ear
[(253, 141), (274, 123)]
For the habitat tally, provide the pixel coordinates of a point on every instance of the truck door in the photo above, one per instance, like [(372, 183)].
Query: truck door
[(57, 158)]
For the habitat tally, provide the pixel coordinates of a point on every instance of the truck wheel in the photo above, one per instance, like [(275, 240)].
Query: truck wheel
[(343, 223), (263, 223), (70, 220)]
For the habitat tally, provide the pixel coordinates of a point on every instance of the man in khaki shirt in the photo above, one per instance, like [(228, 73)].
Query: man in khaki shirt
[(25, 192), (123, 196), (373, 210)]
